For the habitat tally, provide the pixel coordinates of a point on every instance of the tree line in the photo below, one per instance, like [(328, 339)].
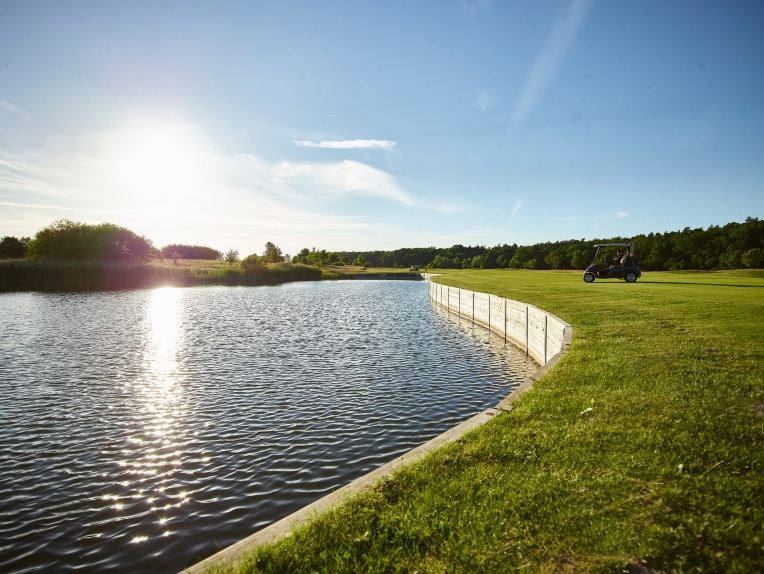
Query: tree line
[(66, 240), (732, 246)]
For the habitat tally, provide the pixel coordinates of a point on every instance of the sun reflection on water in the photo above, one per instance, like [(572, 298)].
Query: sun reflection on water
[(164, 320), (155, 449)]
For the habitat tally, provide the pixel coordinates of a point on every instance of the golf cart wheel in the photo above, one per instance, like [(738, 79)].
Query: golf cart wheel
[(589, 277), (630, 277)]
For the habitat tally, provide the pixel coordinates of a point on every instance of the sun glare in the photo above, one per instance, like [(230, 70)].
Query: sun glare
[(161, 169)]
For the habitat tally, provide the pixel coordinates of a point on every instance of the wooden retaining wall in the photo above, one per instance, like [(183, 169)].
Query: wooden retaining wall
[(542, 335)]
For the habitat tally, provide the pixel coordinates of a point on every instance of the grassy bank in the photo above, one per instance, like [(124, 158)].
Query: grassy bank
[(642, 451), (44, 275)]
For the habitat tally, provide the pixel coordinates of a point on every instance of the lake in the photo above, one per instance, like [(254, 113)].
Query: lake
[(144, 430)]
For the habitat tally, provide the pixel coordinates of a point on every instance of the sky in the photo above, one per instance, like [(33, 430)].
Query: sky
[(364, 125)]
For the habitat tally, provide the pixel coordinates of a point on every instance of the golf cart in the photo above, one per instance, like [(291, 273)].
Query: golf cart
[(620, 266)]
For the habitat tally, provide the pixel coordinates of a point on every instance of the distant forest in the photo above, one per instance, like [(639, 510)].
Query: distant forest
[(733, 246)]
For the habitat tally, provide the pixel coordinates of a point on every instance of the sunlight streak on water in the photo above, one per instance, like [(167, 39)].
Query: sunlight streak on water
[(159, 420)]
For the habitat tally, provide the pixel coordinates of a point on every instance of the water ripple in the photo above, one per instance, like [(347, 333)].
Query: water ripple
[(144, 430)]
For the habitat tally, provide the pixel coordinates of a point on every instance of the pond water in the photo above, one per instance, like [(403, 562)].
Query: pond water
[(144, 430)]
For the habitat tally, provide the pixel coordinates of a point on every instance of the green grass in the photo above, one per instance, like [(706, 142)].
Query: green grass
[(643, 450)]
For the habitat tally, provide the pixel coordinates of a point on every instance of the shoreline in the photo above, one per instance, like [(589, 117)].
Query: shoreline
[(284, 527)]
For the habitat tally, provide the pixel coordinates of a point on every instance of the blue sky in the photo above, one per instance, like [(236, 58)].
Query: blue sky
[(359, 125)]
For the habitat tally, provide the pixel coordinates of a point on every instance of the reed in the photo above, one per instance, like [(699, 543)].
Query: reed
[(59, 275)]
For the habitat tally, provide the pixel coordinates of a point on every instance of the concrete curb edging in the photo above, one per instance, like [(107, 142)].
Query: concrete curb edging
[(285, 527)]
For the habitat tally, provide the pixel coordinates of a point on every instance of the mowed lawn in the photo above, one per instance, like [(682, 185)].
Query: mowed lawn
[(642, 451)]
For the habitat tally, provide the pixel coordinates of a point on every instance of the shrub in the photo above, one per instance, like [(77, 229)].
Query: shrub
[(13, 247), (71, 240), (253, 264), (191, 252)]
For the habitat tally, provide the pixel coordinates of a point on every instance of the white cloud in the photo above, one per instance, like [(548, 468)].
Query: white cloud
[(483, 100), (549, 59), (349, 144), (621, 214), (345, 177)]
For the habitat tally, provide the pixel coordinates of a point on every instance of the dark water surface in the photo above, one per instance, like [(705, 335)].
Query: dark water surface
[(144, 430)]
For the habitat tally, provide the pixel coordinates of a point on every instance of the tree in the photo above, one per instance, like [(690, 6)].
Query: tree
[(232, 256), (753, 258), (361, 261), (65, 239), (13, 247), (556, 257), (303, 256), (317, 257), (191, 251), (521, 256), (580, 258), (272, 253), (731, 260)]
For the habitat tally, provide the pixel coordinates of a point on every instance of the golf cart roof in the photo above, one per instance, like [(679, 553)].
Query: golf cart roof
[(629, 245)]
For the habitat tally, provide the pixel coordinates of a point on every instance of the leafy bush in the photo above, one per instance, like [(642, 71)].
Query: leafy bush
[(253, 264), (13, 247), (71, 240), (190, 252)]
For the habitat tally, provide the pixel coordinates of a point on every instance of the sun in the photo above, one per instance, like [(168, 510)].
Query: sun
[(161, 168)]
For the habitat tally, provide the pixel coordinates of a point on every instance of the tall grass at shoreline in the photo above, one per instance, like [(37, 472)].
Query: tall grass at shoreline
[(53, 275), (641, 451)]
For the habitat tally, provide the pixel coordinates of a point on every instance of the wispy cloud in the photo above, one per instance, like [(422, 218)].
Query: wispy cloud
[(448, 207), (571, 218), (549, 59), (483, 100), (621, 214), (331, 180), (51, 207), (348, 144), (472, 7), (696, 137), (18, 129), (518, 206)]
